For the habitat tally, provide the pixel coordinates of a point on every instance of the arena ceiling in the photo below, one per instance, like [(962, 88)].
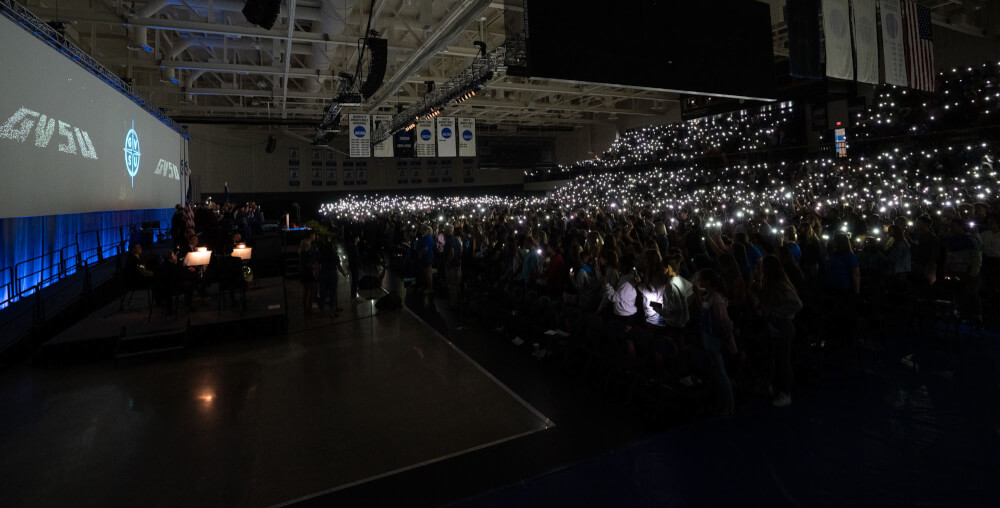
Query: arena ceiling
[(201, 59)]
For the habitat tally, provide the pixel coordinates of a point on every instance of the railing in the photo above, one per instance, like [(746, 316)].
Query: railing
[(7, 293), (31, 275)]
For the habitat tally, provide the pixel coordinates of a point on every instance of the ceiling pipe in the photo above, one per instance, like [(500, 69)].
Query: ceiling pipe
[(452, 25), (240, 44), (332, 22), (140, 33)]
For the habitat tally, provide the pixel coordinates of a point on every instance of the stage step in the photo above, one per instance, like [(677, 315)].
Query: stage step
[(151, 342)]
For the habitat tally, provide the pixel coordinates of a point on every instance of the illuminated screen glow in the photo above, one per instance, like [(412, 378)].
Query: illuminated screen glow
[(69, 143)]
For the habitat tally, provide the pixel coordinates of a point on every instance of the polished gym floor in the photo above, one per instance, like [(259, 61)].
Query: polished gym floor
[(252, 421)]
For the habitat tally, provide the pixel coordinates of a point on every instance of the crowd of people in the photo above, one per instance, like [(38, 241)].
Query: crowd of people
[(733, 265), (216, 228)]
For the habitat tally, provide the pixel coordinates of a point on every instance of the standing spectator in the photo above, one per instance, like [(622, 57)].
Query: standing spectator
[(453, 265), (308, 268), (924, 252), (963, 261), (841, 271), (779, 303), (717, 337), (354, 264), (425, 254), (329, 265)]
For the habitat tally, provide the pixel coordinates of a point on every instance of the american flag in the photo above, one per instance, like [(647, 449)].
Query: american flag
[(919, 45)]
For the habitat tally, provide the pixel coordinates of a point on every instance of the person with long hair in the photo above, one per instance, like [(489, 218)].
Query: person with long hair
[(717, 337), (842, 272), (779, 303)]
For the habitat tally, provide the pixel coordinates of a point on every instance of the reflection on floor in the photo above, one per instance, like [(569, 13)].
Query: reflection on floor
[(251, 421)]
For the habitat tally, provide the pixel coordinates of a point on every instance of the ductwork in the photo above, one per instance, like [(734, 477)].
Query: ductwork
[(241, 44), (140, 33), (453, 23), (189, 84), (332, 21)]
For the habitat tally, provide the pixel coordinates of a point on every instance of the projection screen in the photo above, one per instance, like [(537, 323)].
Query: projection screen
[(69, 143)]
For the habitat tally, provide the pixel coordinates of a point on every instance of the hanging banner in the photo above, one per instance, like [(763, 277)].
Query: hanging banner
[(348, 172), (293, 166), (383, 149), (402, 172), (425, 144), (360, 133), (446, 136), (317, 167), (415, 171), (404, 143), (331, 168), (837, 29), (446, 171), (361, 173), (893, 50), (432, 171), (467, 166), (466, 137), (866, 41)]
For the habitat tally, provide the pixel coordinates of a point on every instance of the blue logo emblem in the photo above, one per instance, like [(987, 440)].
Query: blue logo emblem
[(132, 154), (425, 135), (467, 135), (446, 133), (359, 131)]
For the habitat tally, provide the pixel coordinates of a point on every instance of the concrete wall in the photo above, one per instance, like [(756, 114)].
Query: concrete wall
[(236, 154)]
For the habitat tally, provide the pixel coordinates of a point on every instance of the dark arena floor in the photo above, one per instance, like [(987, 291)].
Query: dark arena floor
[(424, 407)]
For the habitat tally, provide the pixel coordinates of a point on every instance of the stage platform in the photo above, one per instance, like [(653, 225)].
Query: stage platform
[(251, 421), (110, 332)]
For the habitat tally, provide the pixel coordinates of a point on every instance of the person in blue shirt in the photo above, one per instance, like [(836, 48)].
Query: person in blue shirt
[(529, 268), (425, 255), (842, 273), (790, 239)]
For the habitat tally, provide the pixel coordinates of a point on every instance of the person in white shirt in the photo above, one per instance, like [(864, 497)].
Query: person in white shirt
[(618, 290)]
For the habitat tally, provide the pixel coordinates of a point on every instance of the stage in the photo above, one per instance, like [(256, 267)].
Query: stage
[(248, 420), (112, 332)]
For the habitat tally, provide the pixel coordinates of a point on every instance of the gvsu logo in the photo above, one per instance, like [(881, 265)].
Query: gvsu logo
[(132, 154), (446, 133), (359, 131), (467, 135), (425, 135), (167, 169), (20, 124)]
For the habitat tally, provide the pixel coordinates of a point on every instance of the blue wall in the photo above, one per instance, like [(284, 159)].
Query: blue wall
[(23, 238)]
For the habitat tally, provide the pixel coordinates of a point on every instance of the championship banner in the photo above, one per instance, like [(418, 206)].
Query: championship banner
[(348, 172), (360, 133), (293, 166), (384, 148), (837, 29), (331, 168), (317, 167), (402, 172), (893, 50), (404, 143), (446, 136), (425, 144), (466, 137), (361, 173), (866, 41)]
